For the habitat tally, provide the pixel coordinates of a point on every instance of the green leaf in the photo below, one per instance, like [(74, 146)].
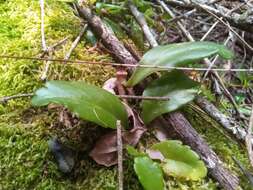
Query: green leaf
[(86, 101), (149, 173), (133, 152), (181, 161), (173, 55), (176, 86)]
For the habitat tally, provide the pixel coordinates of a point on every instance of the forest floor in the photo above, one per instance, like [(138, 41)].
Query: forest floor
[(25, 160)]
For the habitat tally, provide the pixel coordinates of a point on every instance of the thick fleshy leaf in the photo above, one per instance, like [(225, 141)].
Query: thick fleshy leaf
[(179, 54), (180, 161), (149, 173), (86, 101), (175, 85)]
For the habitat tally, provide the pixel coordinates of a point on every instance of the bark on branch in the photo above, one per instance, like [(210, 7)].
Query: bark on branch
[(109, 40)]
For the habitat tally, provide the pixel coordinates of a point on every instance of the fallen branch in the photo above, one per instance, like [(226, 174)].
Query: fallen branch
[(109, 40), (54, 47), (46, 68)]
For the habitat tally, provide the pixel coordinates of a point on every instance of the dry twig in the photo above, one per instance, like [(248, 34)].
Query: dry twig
[(126, 65), (42, 28), (143, 24), (120, 155), (75, 43), (5, 99), (248, 139), (160, 98)]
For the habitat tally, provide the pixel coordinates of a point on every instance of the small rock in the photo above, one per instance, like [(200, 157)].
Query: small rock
[(63, 154)]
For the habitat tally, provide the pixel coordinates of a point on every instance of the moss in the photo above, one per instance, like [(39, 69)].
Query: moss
[(25, 160)]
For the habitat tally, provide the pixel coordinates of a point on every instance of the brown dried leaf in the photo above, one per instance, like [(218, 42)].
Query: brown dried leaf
[(105, 150)]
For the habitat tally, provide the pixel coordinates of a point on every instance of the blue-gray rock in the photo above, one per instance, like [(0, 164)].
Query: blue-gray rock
[(63, 154)]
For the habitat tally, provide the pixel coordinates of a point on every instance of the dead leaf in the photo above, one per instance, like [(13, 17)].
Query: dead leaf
[(105, 150)]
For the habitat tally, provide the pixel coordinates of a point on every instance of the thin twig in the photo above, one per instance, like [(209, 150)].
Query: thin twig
[(185, 15), (42, 28), (54, 46), (158, 98), (214, 61), (46, 68), (75, 43), (142, 22), (5, 99), (124, 65), (248, 139), (120, 155), (183, 29)]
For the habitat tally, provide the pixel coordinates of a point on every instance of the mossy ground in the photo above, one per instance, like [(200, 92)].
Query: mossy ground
[(25, 162)]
